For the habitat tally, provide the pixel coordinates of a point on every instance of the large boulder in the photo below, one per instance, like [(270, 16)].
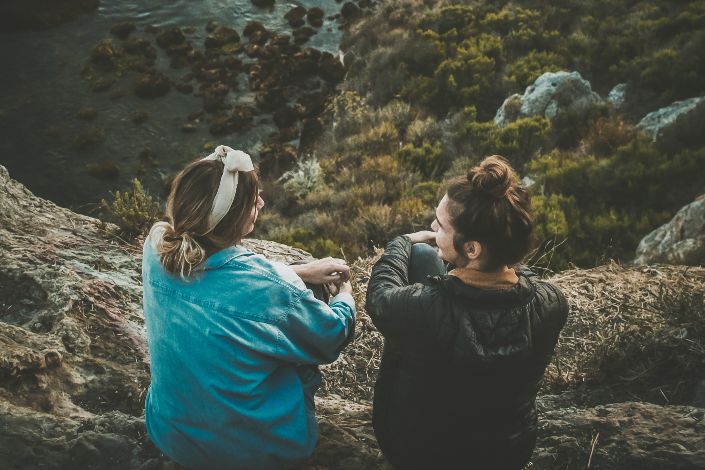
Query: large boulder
[(680, 123), (680, 241), (74, 365), (551, 95)]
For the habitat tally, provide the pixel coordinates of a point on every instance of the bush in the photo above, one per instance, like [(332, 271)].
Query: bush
[(607, 134), (518, 141), (134, 211), (525, 70), (427, 159), (305, 178)]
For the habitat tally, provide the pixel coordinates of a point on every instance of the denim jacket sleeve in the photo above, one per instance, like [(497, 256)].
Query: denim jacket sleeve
[(313, 332)]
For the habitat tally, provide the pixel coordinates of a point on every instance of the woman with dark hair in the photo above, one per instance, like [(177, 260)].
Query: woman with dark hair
[(234, 339), (465, 350)]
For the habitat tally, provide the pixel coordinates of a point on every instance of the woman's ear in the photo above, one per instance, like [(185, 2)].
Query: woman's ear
[(473, 250)]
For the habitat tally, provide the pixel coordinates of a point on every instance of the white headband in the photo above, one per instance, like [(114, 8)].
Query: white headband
[(234, 161)]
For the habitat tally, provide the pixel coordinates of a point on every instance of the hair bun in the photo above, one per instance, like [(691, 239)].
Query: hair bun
[(493, 176)]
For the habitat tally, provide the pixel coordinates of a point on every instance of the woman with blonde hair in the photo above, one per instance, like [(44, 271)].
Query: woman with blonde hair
[(465, 350), (234, 339)]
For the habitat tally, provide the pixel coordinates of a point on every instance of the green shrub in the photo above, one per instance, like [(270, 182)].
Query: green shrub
[(518, 141), (305, 178), (428, 159), (134, 211), (525, 70)]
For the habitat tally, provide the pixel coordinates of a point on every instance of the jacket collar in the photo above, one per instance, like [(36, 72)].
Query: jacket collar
[(222, 257), (505, 279), (518, 294)]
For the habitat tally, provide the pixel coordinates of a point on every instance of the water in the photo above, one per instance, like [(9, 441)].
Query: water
[(42, 91)]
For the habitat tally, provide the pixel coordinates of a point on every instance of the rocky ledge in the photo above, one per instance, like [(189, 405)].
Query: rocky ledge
[(74, 368)]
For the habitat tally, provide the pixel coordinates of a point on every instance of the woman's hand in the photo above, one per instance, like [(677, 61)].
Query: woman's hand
[(323, 271), (424, 236), (339, 288)]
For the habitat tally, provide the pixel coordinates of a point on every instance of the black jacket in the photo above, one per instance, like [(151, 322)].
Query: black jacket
[(461, 365)]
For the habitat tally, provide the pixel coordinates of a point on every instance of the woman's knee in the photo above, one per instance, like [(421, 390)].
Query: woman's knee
[(424, 262)]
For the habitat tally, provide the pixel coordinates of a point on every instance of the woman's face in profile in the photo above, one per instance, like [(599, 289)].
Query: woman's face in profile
[(255, 212), (444, 235)]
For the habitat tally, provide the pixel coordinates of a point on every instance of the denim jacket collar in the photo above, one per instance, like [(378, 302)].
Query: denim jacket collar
[(222, 257)]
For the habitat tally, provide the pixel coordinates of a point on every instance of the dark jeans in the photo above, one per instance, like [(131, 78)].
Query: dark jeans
[(424, 262)]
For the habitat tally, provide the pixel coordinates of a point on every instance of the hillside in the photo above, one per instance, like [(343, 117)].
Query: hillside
[(585, 98), (73, 364)]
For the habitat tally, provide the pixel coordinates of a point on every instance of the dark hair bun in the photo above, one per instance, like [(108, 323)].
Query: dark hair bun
[(494, 176)]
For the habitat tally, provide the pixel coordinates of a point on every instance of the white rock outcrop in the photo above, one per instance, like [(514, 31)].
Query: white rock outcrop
[(552, 94), (677, 122), (680, 241)]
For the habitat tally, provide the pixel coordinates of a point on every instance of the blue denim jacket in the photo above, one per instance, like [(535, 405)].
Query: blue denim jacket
[(233, 355)]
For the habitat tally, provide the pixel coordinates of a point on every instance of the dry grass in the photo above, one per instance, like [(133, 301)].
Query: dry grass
[(353, 375), (633, 333), (639, 331)]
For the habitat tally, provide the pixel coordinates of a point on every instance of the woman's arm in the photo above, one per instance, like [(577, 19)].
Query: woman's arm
[(323, 271), (393, 304), (312, 332)]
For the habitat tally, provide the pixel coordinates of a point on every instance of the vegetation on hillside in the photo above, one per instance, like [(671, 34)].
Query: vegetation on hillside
[(417, 108)]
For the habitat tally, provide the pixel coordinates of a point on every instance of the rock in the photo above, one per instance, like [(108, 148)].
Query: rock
[(680, 241), (285, 117), (679, 124), (284, 135), (185, 88), (311, 104), (263, 3), (270, 99), (102, 84), (275, 159), (315, 17), (303, 34), (211, 25), (306, 61), (195, 116), (240, 118), (139, 117), (551, 95), (104, 54), (349, 11), (122, 30), (295, 16), (87, 113), (170, 37), (89, 138), (618, 95), (137, 46), (152, 85), (311, 130), (232, 63), (72, 393), (221, 36), (626, 435), (330, 68), (214, 96), (260, 37), (106, 170), (252, 27)]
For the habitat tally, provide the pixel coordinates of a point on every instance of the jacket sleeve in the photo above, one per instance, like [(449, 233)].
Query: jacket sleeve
[(393, 305), (313, 332)]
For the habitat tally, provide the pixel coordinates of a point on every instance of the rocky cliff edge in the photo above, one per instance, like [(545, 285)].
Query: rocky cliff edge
[(74, 370)]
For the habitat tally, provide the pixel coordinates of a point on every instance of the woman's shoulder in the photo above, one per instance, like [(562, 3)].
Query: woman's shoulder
[(260, 268)]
